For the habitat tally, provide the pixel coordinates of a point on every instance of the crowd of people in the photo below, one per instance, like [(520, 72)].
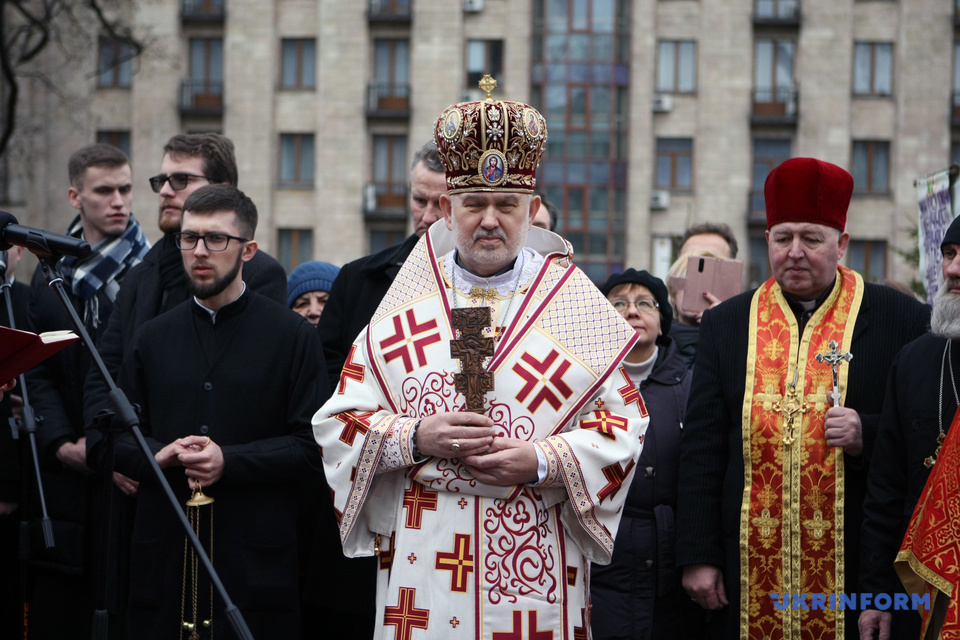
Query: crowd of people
[(463, 435)]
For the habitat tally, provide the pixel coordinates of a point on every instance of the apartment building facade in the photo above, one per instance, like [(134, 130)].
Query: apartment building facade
[(661, 113)]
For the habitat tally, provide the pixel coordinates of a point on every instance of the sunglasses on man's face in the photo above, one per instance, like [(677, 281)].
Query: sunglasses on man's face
[(178, 181)]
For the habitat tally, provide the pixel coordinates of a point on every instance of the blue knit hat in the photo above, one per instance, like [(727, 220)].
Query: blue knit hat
[(310, 276)]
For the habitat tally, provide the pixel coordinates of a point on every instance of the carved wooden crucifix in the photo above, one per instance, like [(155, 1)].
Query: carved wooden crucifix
[(473, 381)]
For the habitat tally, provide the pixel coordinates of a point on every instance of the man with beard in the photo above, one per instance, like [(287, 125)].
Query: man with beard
[(919, 408), (190, 161), (488, 330), (226, 382)]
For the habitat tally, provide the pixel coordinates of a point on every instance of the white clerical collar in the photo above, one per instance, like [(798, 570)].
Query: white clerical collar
[(213, 314), (525, 267)]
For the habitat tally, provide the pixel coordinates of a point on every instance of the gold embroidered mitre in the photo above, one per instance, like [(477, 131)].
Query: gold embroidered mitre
[(490, 145)]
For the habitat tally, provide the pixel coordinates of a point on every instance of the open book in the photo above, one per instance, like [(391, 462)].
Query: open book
[(21, 350)]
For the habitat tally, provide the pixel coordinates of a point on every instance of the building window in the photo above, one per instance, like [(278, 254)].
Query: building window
[(294, 247), (677, 66), (391, 75), (390, 171), (758, 269), (776, 9), (873, 69), (580, 81), (298, 64), (116, 63), (119, 139), (767, 155), (956, 79), (206, 72), (871, 166), (675, 164), (773, 77), (483, 56), (296, 160), (868, 258)]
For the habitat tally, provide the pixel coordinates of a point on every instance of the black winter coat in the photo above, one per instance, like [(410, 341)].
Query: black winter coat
[(638, 595), (251, 382)]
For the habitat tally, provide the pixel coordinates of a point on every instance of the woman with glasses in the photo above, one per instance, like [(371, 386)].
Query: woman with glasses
[(638, 596)]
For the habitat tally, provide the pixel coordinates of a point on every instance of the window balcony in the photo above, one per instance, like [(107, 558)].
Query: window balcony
[(200, 98), (776, 13), (388, 100), (756, 208), (389, 10), (385, 201), (203, 10), (775, 105)]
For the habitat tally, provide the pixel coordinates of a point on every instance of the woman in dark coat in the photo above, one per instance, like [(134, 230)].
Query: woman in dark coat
[(638, 595)]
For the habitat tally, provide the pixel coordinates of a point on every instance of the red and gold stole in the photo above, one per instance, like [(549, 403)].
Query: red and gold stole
[(791, 518), (929, 558)]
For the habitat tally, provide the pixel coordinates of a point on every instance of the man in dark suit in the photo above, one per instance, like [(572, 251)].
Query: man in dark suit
[(227, 382), (773, 467), (159, 283)]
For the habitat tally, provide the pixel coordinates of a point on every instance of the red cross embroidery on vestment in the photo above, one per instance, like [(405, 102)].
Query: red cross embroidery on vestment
[(580, 633), (350, 371), (419, 344), (418, 499), (631, 394), (459, 563), (405, 616), (517, 632), (615, 475), (355, 423), (538, 375), (605, 423)]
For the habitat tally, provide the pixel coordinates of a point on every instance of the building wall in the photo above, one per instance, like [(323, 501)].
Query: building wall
[(717, 115)]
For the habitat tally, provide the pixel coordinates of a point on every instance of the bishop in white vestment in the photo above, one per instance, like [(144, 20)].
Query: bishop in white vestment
[(485, 519)]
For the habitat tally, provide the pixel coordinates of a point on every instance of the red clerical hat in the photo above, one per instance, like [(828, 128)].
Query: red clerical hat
[(808, 190)]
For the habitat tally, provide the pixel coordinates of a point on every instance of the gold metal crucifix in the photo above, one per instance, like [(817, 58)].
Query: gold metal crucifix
[(792, 407)]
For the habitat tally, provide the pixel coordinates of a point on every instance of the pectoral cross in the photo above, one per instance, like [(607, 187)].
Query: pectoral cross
[(792, 406), (473, 381), (834, 357)]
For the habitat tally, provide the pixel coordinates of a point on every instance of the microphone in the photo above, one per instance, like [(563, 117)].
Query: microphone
[(47, 243)]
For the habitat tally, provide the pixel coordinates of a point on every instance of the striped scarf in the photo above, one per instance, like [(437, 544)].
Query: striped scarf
[(103, 268)]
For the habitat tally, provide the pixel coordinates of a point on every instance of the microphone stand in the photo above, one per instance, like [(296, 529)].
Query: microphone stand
[(124, 418), (28, 424)]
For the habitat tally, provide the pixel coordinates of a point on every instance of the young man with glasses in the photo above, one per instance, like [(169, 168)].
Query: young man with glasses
[(190, 161), (227, 383), (639, 593)]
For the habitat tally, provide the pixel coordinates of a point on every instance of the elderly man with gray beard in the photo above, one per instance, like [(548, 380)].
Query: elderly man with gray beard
[(920, 406)]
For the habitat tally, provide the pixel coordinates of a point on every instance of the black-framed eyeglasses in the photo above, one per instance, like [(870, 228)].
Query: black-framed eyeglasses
[(178, 181), (187, 241), (643, 306)]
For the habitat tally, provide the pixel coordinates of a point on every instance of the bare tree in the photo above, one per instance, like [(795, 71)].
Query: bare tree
[(28, 27)]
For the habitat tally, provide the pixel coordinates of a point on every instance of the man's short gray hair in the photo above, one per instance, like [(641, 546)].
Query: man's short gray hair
[(429, 156)]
